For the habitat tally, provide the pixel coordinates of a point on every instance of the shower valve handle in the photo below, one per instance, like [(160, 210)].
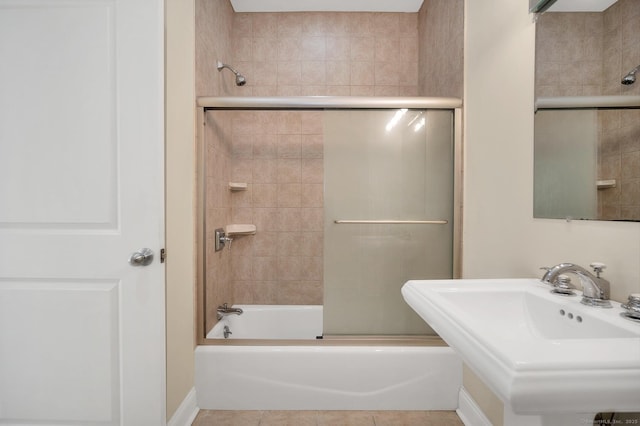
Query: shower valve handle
[(221, 239), (227, 241)]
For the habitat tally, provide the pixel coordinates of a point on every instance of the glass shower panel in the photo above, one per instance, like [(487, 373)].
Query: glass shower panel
[(385, 165)]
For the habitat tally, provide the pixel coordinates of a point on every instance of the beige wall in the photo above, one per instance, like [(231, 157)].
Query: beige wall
[(180, 179), (501, 238)]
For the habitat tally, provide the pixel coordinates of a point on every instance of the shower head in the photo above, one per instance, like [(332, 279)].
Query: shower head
[(240, 80), (630, 78)]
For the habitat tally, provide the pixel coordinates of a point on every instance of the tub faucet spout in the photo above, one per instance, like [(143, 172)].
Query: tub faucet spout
[(225, 310), (595, 290)]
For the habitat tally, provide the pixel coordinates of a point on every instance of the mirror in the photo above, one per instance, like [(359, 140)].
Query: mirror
[(587, 159)]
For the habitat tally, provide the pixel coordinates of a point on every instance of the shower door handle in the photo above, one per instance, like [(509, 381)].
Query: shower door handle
[(391, 222), (142, 257)]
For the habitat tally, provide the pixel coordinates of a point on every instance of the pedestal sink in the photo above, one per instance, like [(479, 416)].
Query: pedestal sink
[(539, 352)]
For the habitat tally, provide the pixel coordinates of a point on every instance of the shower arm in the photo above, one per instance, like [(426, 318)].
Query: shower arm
[(221, 66)]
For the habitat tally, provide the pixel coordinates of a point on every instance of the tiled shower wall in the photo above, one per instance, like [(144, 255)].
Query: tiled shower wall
[(213, 40), (619, 146), (440, 46), (218, 152), (587, 54), (279, 154), (317, 53)]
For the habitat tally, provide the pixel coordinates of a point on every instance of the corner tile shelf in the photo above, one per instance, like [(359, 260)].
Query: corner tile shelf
[(237, 186), (240, 229), (605, 184)]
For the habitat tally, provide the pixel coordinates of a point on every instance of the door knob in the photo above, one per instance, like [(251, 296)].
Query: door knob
[(142, 257)]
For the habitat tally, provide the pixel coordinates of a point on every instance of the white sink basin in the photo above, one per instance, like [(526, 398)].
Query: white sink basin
[(539, 352)]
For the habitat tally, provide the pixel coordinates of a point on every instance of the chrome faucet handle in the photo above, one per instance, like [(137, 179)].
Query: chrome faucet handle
[(545, 278), (632, 307), (598, 267)]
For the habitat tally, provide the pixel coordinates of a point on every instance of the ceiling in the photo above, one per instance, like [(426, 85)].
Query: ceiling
[(581, 5), (326, 5)]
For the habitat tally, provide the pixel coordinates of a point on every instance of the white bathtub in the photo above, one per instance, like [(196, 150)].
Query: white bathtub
[(323, 377), (271, 322)]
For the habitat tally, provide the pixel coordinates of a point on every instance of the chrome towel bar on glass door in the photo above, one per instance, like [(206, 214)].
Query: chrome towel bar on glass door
[(391, 222)]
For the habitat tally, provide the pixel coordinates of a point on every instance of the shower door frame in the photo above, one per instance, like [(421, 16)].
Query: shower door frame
[(212, 103)]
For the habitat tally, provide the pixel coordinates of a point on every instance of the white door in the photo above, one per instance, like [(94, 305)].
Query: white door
[(81, 189)]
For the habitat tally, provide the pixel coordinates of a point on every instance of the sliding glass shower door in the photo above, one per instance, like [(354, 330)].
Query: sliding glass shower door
[(388, 199)]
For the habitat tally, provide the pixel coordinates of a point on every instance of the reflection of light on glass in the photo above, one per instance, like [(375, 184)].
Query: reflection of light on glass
[(398, 115), (419, 125)]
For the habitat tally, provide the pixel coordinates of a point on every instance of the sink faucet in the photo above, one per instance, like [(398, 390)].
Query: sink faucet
[(224, 310), (595, 290)]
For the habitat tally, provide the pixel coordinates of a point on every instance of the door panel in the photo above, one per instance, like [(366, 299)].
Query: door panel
[(88, 330), (81, 184), (62, 153)]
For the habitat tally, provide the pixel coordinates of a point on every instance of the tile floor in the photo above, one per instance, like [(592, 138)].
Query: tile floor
[(326, 418)]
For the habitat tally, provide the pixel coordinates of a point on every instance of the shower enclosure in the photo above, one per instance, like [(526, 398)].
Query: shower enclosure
[(327, 201)]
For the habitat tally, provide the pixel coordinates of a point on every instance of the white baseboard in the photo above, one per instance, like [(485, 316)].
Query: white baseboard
[(186, 412), (469, 412)]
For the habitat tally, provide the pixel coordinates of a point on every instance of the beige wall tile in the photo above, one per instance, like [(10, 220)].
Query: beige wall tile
[(313, 48), (387, 49), (363, 48), (387, 24), (338, 48), (386, 74), (265, 170), (289, 170), (289, 122), (337, 23), (313, 23), (362, 73), (264, 195), (288, 220), (265, 146), (289, 146), (289, 195), (312, 170), (312, 195), (289, 24), (265, 24), (289, 73), (289, 49), (313, 73), (312, 219), (338, 73), (312, 146)]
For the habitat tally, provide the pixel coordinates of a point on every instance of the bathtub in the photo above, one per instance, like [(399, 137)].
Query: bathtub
[(315, 375), (271, 322)]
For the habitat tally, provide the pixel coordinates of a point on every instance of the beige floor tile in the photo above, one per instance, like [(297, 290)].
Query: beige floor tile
[(227, 418), (345, 418), (288, 418), (326, 418), (445, 418), (402, 418)]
